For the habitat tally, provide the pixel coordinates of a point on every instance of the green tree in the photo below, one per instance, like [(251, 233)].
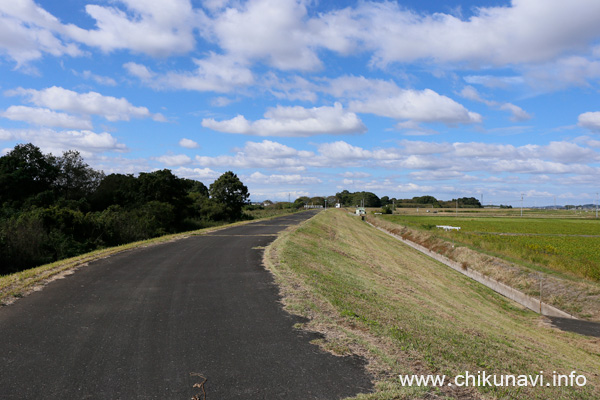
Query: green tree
[(300, 202), (367, 198), (193, 186), (317, 201), (230, 195), (426, 201), (76, 179), (162, 186), (25, 172), (345, 198), (116, 189)]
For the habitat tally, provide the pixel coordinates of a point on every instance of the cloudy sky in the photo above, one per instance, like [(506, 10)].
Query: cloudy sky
[(490, 99)]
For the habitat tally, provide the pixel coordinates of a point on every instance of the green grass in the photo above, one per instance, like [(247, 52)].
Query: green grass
[(270, 212), (550, 226), (562, 244), (409, 314)]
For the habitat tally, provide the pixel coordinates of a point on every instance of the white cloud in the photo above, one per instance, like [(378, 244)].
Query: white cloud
[(293, 89), (527, 31), (45, 117), (294, 179), (562, 73), (216, 73), (420, 106), (413, 147), (188, 143), (441, 175), (274, 31), (27, 32), (91, 103), (196, 173), (6, 135), (172, 160), (494, 82), (221, 101), (265, 154), (276, 194), (359, 87), (139, 71), (590, 120), (270, 149), (102, 80), (413, 188), (144, 26), (518, 114), (285, 35), (293, 121), (359, 175), (536, 166), (440, 160), (341, 150), (56, 142)]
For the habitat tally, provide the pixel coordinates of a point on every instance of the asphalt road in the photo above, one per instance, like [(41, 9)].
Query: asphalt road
[(587, 328), (151, 323)]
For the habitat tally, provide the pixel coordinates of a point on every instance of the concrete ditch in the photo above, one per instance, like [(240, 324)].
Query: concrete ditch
[(499, 287)]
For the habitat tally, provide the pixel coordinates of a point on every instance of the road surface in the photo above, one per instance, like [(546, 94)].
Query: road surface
[(151, 323)]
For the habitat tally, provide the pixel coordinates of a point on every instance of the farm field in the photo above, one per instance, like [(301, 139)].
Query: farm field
[(553, 242)]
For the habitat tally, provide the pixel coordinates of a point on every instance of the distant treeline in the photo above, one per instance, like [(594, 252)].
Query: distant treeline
[(57, 207), (368, 199)]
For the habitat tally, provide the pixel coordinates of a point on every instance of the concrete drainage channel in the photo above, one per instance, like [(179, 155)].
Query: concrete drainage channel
[(499, 287)]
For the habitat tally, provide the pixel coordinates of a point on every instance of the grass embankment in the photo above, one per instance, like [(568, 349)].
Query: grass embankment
[(518, 252), (408, 314), (19, 284)]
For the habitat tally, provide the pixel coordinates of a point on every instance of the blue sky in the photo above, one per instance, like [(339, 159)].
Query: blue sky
[(490, 99)]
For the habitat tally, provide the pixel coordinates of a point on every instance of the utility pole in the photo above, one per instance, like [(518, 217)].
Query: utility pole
[(521, 204), (541, 277), (596, 205)]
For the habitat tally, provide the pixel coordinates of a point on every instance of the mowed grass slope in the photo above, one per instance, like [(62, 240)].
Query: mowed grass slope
[(410, 314)]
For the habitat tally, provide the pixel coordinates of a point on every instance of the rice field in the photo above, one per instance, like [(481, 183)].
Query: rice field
[(565, 245)]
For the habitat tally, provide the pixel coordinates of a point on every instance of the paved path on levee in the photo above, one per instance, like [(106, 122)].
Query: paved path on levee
[(144, 324)]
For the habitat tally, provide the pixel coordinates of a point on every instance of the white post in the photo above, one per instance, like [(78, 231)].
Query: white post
[(540, 293), (521, 204)]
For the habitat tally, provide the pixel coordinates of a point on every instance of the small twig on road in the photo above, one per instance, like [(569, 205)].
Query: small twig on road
[(200, 396)]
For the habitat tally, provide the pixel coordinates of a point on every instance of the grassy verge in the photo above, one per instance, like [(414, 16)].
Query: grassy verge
[(19, 284), (407, 314)]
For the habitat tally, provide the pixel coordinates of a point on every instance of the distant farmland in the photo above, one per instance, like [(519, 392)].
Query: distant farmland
[(566, 245)]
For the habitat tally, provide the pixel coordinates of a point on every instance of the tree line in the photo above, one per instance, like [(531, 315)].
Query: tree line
[(369, 199), (55, 207)]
